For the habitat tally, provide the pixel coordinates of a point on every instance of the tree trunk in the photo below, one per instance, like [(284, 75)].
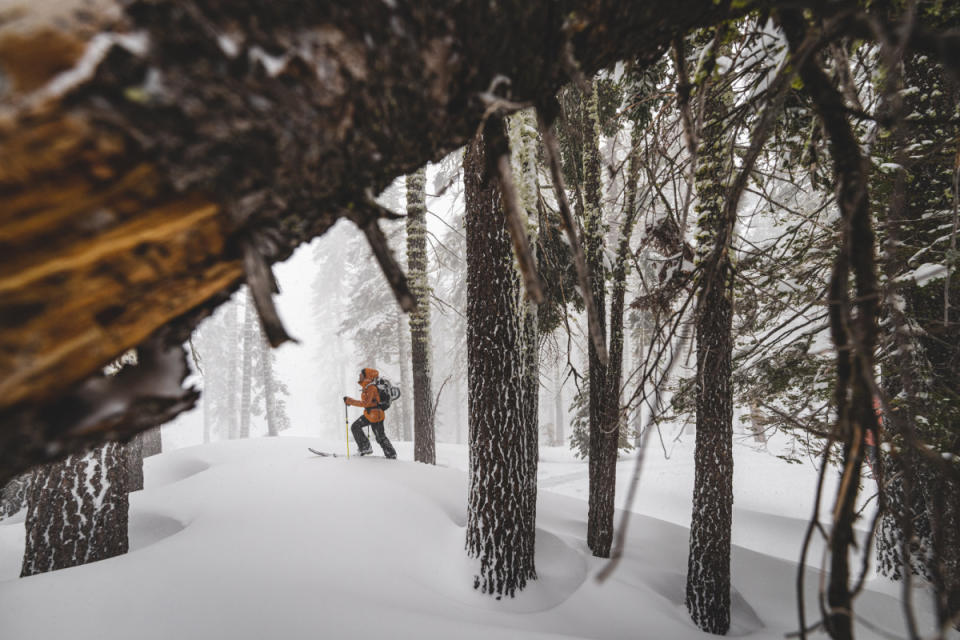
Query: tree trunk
[(234, 346), (424, 437), (250, 337), (499, 528), (268, 380), (612, 416), (708, 569), (523, 143), (152, 442), (13, 497), (133, 458), (78, 511), (603, 443)]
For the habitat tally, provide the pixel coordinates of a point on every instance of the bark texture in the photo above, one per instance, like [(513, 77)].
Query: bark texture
[(708, 567), (77, 511), (424, 438), (13, 496), (603, 437), (133, 458), (500, 531)]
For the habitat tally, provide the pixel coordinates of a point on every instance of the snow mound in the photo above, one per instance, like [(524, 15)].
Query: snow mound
[(147, 528), (260, 539), (173, 468)]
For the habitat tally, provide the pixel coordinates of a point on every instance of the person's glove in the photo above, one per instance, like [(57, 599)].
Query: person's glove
[(344, 399)]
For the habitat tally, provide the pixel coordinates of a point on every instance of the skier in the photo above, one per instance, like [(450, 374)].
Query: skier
[(372, 415)]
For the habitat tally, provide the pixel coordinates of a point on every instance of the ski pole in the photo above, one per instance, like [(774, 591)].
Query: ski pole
[(346, 426)]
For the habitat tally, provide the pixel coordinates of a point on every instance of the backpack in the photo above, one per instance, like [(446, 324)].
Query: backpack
[(388, 392)]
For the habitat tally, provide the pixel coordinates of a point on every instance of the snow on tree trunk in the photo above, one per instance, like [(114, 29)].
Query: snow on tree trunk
[(13, 497), (500, 530), (424, 438), (522, 131), (708, 570), (77, 511), (603, 442)]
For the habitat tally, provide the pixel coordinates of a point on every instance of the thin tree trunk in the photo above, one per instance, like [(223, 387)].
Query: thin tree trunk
[(234, 348), (499, 529), (250, 336), (424, 438), (603, 442), (268, 379)]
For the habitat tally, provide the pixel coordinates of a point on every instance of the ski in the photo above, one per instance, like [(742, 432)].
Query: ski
[(327, 454)]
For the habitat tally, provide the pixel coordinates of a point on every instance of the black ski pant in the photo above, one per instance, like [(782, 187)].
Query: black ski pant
[(378, 433)]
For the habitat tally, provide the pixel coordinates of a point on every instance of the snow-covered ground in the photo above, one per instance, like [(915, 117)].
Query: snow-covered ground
[(261, 539)]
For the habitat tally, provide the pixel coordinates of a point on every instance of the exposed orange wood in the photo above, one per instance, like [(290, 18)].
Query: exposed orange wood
[(71, 301)]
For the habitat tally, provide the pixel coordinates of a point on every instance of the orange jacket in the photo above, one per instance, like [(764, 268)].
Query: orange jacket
[(370, 397)]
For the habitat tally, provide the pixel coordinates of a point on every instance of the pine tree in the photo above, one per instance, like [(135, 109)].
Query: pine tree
[(915, 192), (272, 391), (603, 443), (424, 438), (708, 569), (218, 342), (499, 523)]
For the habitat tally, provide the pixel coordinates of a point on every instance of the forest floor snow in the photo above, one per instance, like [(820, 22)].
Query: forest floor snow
[(261, 539)]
